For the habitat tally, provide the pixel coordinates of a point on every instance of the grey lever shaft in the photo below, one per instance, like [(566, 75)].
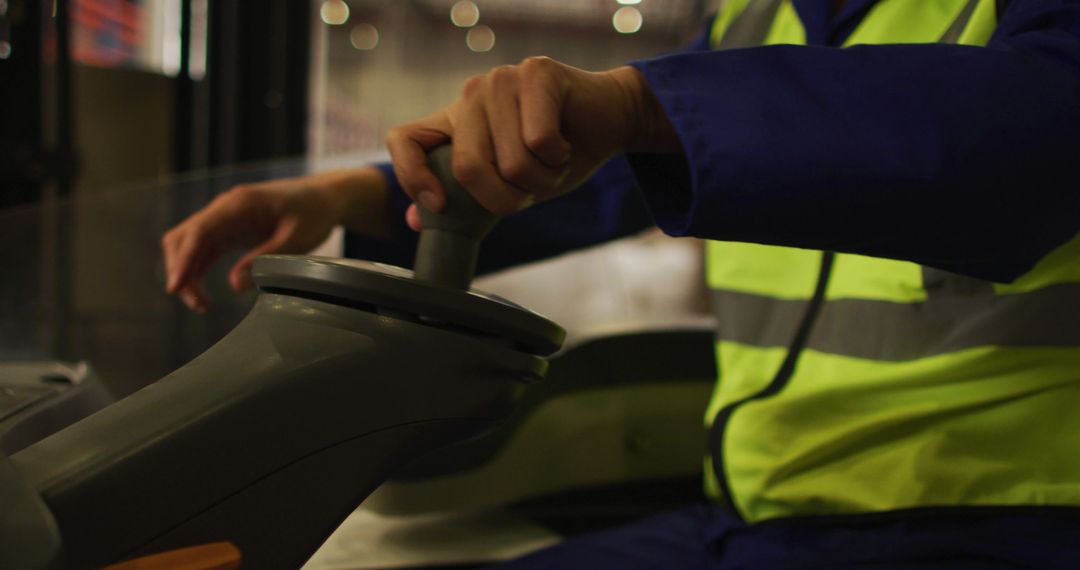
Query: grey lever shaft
[(450, 240)]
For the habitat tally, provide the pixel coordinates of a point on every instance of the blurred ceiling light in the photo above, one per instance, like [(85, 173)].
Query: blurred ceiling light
[(480, 39), (629, 2), (5, 49), (627, 20), (465, 14), (170, 14), (197, 42), (364, 37), (334, 12)]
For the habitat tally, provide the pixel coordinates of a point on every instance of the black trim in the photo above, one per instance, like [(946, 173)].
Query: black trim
[(779, 381), (330, 299)]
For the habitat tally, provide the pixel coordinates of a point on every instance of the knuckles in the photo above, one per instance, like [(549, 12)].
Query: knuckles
[(468, 172), (508, 76), (473, 86), (504, 77), (544, 144), (394, 135), (516, 171), (472, 174), (537, 65), (513, 174)]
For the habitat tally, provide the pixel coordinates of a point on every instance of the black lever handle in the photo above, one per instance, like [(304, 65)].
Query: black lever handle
[(450, 240)]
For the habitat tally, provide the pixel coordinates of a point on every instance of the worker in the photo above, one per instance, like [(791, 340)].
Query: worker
[(894, 264)]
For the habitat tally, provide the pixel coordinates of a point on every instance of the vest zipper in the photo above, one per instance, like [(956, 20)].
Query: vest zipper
[(779, 381)]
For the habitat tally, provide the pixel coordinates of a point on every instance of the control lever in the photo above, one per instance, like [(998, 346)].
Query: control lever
[(450, 240)]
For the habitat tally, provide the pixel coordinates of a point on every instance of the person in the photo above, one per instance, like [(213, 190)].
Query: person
[(894, 264)]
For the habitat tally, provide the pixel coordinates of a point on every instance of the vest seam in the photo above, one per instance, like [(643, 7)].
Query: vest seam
[(780, 380)]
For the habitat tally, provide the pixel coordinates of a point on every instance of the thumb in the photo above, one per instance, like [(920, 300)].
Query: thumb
[(412, 218)]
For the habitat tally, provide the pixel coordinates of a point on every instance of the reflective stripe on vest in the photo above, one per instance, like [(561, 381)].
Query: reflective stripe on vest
[(916, 387)]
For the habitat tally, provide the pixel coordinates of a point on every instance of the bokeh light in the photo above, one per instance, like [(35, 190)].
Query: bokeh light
[(627, 20), (364, 37), (465, 14), (334, 12), (480, 39)]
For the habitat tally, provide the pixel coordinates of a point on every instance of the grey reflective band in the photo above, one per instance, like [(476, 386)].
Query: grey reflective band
[(750, 28), (941, 283), (890, 331), (952, 35)]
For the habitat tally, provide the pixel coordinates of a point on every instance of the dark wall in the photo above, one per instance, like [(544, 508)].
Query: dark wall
[(82, 277), (255, 94)]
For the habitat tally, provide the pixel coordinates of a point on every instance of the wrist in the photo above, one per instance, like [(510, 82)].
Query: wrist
[(649, 129), (358, 199)]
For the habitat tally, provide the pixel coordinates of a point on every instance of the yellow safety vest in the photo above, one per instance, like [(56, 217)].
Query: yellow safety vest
[(915, 387)]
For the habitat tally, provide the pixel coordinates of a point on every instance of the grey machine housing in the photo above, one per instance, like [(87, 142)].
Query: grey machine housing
[(343, 371)]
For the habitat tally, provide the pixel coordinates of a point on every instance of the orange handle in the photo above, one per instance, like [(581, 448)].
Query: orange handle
[(213, 556)]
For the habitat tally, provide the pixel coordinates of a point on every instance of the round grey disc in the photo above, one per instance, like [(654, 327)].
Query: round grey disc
[(353, 281)]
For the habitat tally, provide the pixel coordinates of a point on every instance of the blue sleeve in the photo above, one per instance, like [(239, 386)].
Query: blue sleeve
[(956, 157)]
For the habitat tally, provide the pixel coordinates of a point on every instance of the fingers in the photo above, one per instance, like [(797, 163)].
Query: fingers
[(508, 147), (541, 103), (473, 162), (187, 257), (280, 216), (412, 218), (194, 297), (171, 263), (181, 247), (515, 161), (408, 146), (196, 243), (240, 274)]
